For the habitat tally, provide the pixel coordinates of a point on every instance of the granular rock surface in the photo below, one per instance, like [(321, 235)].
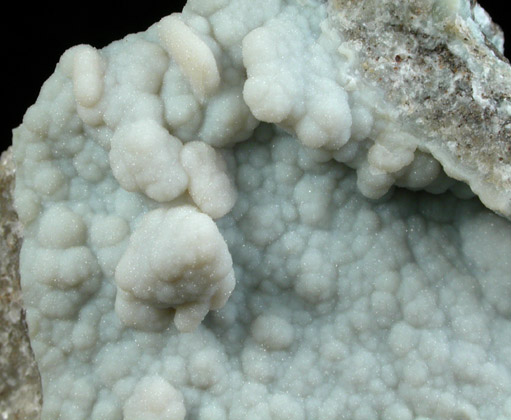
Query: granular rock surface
[(20, 386)]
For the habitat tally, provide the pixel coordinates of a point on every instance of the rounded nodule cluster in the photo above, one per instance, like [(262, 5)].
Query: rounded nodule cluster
[(147, 180), (176, 258)]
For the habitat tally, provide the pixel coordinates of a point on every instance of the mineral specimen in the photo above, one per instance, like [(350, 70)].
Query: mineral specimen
[(213, 229)]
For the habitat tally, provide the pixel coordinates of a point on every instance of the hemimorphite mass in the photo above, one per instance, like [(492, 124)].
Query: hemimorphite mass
[(268, 213)]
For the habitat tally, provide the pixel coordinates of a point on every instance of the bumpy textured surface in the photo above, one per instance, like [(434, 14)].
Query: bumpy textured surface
[(185, 259), (20, 385)]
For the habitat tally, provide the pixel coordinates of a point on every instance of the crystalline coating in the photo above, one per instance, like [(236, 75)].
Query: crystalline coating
[(185, 259)]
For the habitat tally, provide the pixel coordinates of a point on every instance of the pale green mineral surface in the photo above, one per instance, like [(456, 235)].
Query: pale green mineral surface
[(389, 306)]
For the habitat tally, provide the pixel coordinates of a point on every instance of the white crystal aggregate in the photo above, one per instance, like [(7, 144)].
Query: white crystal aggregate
[(183, 258)]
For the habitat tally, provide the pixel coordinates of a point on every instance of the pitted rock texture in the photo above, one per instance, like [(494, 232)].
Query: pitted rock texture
[(442, 66), (20, 384)]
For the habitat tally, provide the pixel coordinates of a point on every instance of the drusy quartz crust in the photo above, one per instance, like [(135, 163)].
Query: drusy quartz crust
[(273, 212)]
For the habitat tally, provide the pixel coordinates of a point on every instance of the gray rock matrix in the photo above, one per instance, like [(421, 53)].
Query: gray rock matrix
[(448, 79), (20, 385)]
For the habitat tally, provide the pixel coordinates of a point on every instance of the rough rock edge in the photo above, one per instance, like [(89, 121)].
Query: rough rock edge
[(20, 383), (449, 87)]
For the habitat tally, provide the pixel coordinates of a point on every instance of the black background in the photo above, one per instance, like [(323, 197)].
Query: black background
[(35, 36)]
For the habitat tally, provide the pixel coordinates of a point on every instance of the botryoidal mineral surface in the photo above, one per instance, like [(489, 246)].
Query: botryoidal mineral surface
[(440, 67)]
